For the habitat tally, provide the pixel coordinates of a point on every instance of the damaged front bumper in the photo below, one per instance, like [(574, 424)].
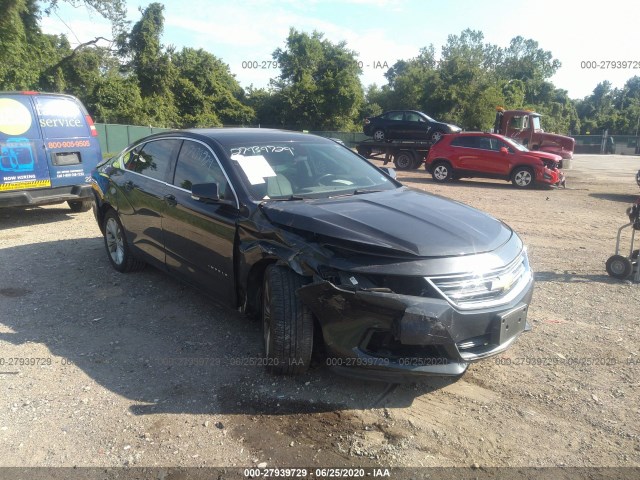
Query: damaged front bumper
[(388, 336)]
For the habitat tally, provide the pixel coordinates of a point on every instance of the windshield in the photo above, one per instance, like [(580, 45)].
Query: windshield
[(516, 145), (289, 170)]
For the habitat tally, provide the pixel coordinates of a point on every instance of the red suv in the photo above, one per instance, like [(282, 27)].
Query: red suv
[(477, 154)]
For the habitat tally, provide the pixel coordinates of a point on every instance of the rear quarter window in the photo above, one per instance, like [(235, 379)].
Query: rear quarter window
[(61, 117)]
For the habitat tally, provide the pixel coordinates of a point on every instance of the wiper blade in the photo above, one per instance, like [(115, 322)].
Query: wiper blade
[(362, 191), (289, 198)]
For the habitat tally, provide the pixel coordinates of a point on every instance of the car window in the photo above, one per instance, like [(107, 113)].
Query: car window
[(517, 122), (468, 142), (197, 164), (413, 117), (536, 123), (154, 159), (488, 143), (396, 116)]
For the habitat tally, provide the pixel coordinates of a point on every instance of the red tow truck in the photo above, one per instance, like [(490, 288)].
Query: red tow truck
[(524, 127)]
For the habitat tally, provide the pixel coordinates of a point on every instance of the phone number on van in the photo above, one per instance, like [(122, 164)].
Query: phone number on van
[(76, 144)]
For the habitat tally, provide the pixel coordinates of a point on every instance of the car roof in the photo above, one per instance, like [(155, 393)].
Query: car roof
[(233, 136)]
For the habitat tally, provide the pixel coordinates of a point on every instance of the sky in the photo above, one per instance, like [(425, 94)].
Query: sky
[(244, 33)]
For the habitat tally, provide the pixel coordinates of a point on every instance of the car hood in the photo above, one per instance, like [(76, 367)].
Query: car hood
[(405, 221), (447, 127), (544, 155)]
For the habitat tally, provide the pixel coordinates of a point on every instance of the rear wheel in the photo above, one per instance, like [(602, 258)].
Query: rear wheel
[(364, 151), (287, 325), (117, 247), (379, 135), (619, 267), (442, 172), (403, 160), (78, 206), (522, 177)]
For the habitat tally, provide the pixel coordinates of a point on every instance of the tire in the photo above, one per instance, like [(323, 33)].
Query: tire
[(619, 267), (287, 325), (522, 177), (435, 136), (379, 136), (365, 151), (403, 160), (118, 250), (78, 206), (441, 172)]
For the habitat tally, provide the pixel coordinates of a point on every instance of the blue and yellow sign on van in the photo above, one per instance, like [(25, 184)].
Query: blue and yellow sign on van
[(48, 148)]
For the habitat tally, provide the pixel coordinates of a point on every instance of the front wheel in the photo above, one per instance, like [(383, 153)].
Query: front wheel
[(619, 267), (522, 177), (441, 172), (117, 247), (78, 206), (287, 325), (436, 135)]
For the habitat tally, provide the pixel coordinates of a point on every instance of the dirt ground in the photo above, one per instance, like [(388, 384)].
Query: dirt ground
[(103, 369)]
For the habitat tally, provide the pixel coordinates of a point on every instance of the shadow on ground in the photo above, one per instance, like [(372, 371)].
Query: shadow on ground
[(616, 197), (20, 216), (162, 344)]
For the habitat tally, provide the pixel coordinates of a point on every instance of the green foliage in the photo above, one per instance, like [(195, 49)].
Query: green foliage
[(142, 82), (319, 86)]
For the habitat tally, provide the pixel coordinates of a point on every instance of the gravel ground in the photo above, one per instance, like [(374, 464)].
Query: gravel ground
[(103, 369)]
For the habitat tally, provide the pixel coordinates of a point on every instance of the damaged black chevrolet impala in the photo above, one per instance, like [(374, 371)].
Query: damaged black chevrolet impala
[(325, 248)]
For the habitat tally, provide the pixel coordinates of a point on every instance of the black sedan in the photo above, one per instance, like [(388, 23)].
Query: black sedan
[(317, 242), (406, 125)]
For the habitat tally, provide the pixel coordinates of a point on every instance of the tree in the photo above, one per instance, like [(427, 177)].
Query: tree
[(207, 94), (319, 85)]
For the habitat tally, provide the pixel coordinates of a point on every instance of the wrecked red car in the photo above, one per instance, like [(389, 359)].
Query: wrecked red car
[(487, 155)]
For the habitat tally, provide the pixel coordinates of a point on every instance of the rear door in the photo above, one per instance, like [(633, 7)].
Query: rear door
[(142, 187), (199, 237), (23, 159), (395, 125), (467, 153), (70, 142)]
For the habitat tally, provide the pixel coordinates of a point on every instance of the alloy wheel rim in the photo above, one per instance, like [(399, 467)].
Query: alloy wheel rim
[(440, 172), (523, 178), (115, 243)]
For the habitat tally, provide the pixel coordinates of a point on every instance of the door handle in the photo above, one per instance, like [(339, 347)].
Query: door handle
[(170, 200), (128, 185)]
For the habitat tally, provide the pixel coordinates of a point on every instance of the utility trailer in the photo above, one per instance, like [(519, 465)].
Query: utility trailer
[(405, 154)]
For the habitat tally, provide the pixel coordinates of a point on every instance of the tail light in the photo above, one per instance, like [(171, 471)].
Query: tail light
[(367, 121), (29, 92), (92, 127)]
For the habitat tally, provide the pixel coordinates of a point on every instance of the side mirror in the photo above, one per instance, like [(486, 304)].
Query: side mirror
[(204, 192), (504, 150), (110, 170), (389, 171)]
